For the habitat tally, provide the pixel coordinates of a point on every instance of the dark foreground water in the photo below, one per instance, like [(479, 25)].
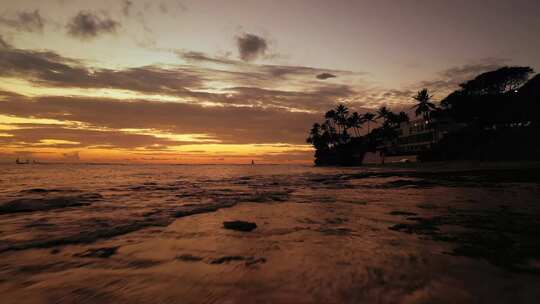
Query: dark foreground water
[(154, 234)]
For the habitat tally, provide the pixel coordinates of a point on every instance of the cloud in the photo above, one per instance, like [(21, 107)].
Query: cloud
[(192, 56), (450, 79), (324, 76), (94, 116), (127, 5), (251, 46), (3, 43), (27, 21), (250, 85), (49, 68), (87, 25)]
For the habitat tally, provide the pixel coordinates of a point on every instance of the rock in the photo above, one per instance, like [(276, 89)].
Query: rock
[(253, 261), (48, 203), (227, 259), (192, 209), (249, 260), (189, 258), (98, 253), (335, 231), (405, 213), (240, 226)]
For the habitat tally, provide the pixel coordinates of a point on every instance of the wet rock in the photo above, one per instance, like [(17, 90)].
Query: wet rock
[(47, 191), (501, 236), (47, 203), (227, 259), (192, 209), (189, 258), (424, 226), (336, 220), (249, 260), (427, 206), (103, 253), (35, 190), (143, 263), (252, 262), (405, 183), (405, 213), (240, 226), (335, 231), (86, 237)]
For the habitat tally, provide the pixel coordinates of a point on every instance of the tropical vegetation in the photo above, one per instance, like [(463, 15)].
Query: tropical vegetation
[(494, 116)]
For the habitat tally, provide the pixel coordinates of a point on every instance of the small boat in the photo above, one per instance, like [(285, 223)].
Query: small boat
[(20, 162), (252, 162)]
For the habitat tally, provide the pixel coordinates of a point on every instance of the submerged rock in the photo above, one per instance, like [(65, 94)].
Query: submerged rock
[(193, 209), (240, 226), (404, 213), (47, 203), (189, 258), (98, 253), (227, 259), (253, 262), (249, 260)]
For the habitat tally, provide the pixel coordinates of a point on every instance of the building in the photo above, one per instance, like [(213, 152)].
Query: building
[(418, 135), (414, 137)]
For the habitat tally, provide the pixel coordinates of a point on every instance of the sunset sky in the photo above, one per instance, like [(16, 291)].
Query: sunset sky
[(179, 81)]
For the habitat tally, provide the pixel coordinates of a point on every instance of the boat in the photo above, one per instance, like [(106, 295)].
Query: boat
[(252, 162)]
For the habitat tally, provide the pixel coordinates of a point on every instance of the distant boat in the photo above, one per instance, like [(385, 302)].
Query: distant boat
[(252, 162), (20, 162)]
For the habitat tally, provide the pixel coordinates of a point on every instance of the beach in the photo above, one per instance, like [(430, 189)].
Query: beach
[(413, 233)]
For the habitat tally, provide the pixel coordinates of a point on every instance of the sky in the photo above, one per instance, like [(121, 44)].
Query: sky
[(180, 81)]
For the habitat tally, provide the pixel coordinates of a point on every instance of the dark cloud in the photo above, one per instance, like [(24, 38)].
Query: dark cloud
[(33, 135), (3, 43), (324, 76), (274, 71), (192, 56), (251, 46), (186, 82), (163, 7), (49, 68), (28, 21), (221, 122), (87, 25), (127, 5)]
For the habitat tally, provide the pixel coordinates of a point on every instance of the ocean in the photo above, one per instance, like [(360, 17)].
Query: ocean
[(83, 233)]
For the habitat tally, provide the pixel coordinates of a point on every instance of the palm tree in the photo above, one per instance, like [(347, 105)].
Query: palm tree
[(368, 117), (314, 134), (330, 117), (382, 112), (424, 105), (402, 117), (341, 115), (355, 122)]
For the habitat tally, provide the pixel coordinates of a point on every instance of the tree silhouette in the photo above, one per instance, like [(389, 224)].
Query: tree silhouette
[(369, 118), (382, 112), (500, 81), (355, 122), (424, 105)]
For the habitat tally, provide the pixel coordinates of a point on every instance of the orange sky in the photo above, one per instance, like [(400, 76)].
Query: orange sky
[(227, 82)]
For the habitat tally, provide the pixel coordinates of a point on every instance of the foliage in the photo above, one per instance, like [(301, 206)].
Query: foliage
[(339, 140)]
